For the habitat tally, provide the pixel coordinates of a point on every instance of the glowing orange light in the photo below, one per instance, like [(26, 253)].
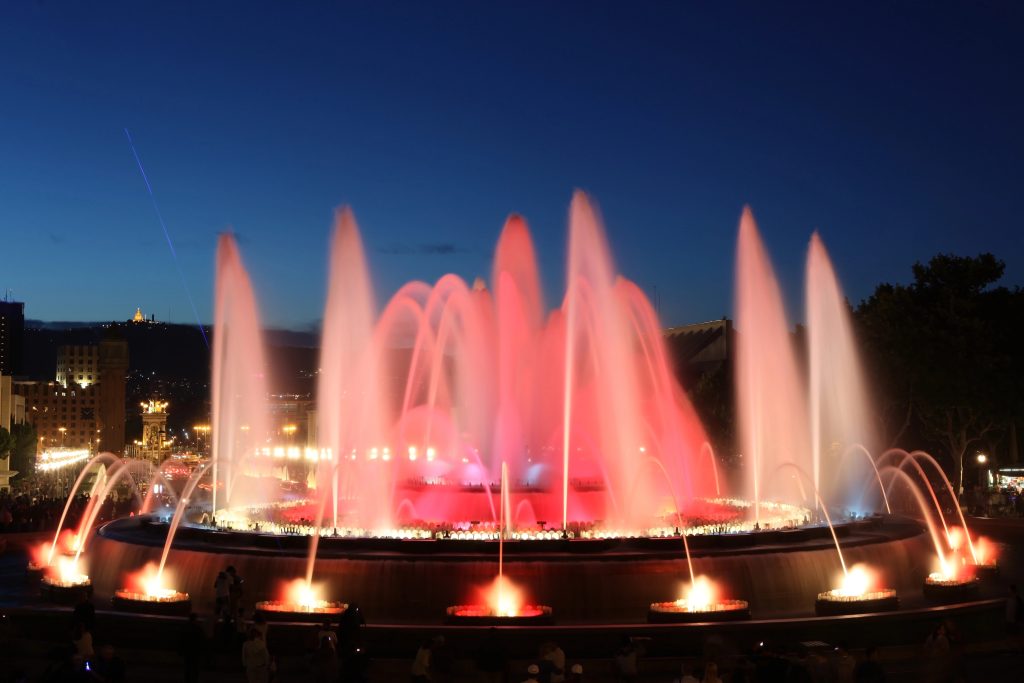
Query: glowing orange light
[(304, 595), (503, 598), (699, 595)]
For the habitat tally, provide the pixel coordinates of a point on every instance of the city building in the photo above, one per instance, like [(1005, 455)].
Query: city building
[(292, 420), (78, 364), (140, 318), (113, 373), (64, 417), (12, 337), (700, 349), (12, 412), (84, 406)]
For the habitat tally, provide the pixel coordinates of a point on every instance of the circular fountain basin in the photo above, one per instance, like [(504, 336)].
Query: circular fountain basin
[(834, 603), (674, 612), (949, 590), (585, 580), (482, 615), (65, 591), (169, 603), (281, 610)]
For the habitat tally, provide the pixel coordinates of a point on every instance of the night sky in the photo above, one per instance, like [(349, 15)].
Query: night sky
[(897, 130)]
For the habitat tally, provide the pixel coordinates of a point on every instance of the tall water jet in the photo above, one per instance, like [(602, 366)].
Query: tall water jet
[(350, 415), (839, 410), (239, 389), (771, 401)]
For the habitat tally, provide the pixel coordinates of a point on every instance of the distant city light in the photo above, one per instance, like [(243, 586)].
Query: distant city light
[(59, 458)]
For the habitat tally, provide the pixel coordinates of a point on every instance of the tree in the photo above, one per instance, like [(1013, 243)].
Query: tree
[(23, 452), (6, 443), (945, 352)]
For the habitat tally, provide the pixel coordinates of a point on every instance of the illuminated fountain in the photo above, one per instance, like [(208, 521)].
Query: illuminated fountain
[(65, 582), (419, 405), (459, 421), (701, 603), (502, 602), (858, 593), (147, 592), (60, 574), (301, 601)]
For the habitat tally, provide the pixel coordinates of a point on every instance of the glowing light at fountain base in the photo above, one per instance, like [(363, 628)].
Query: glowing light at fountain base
[(302, 602), (483, 615), (501, 602), (678, 612), (832, 603), (166, 601), (147, 593), (946, 588), (65, 584), (858, 594), (700, 604)]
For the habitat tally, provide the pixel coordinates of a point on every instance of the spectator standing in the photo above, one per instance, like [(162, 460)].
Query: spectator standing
[(222, 591), (420, 671), (325, 662), (626, 660), (81, 638), (554, 657), (235, 582), (256, 659), (711, 674), (686, 674), (85, 613), (328, 634)]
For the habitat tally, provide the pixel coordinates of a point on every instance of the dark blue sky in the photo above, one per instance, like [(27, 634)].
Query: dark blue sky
[(894, 129)]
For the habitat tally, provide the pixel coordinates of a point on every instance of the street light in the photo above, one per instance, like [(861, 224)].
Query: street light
[(982, 458), (63, 431)]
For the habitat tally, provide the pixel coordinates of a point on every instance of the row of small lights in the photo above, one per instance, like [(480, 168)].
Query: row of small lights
[(58, 459), (786, 516), (318, 454)]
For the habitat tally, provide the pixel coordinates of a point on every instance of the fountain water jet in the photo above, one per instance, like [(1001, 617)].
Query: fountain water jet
[(771, 401)]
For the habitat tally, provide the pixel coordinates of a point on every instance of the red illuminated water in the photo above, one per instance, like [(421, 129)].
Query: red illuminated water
[(419, 403)]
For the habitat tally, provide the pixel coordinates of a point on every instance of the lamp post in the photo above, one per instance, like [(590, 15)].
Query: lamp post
[(982, 460)]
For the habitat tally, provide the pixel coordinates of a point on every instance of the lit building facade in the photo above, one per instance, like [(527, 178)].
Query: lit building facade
[(12, 412), (63, 416), (84, 407), (113, 367), (78, 365)]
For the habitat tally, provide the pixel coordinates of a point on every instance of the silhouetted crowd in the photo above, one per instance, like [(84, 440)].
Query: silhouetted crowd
[(37, 510)]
